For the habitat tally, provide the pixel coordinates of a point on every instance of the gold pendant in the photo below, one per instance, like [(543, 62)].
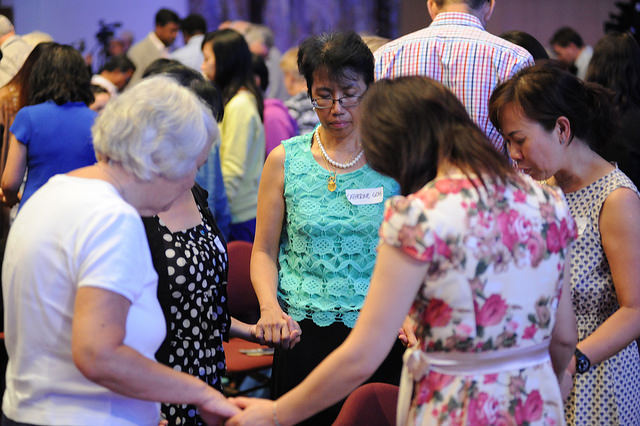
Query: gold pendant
[(331, 183)]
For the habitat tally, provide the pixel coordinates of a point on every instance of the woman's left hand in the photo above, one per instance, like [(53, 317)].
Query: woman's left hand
[(255, 412), (566, 384)]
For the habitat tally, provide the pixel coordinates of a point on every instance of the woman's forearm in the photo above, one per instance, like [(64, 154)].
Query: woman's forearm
[(321, 389), (617, 332), (242, 330), (127, 372), (264, 277)]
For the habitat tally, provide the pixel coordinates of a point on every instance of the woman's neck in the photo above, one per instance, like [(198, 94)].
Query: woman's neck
[(583, 167), (340, 145)]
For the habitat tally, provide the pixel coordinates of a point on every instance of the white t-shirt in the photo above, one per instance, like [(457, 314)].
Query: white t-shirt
[(73, 232)]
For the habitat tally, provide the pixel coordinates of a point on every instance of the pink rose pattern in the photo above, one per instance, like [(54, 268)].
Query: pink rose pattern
[(503, 234)]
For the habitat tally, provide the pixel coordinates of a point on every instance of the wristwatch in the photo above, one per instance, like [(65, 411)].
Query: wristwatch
[(582, 362)]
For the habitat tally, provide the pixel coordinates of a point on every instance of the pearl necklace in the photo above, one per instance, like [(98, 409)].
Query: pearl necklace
[(331, 161)]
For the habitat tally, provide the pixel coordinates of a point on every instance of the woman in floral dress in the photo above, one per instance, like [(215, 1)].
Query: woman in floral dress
[(476, 254)]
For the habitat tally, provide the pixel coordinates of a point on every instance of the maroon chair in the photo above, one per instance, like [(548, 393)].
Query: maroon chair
[(243, 305), (373, 404)]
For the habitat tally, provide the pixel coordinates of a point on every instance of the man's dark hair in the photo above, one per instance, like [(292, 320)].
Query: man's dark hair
[(60, 75), (473, 4), (120, 63), (193, 24), (565, 36), (527, 41), (164, 16)]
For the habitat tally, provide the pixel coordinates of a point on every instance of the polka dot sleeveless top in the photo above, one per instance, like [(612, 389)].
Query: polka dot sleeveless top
[(194, 301)]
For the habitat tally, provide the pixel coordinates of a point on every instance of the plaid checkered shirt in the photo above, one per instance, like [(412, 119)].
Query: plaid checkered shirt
[(458, 52)]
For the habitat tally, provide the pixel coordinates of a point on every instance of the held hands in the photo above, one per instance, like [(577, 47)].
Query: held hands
[(275, 328), (407, 334), (215, 408), (255, 412)]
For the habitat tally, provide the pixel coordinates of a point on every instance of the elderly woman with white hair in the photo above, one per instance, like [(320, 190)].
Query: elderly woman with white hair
[(82, 317)]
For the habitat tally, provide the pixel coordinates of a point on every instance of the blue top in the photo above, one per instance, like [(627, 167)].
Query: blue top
[(328, 245), (209, 177), (58, 140)]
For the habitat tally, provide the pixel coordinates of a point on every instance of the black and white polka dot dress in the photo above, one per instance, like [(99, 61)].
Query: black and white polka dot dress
[(193, 297)]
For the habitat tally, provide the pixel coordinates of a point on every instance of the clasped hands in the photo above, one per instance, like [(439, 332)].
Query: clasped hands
[(277, 329)]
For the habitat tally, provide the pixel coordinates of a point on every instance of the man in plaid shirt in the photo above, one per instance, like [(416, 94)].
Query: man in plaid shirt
[(457, 51)]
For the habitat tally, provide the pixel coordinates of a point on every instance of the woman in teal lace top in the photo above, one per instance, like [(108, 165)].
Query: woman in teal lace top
[(319, 209)]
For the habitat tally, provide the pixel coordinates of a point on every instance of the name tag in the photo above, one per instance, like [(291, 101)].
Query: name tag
[(365, 196)]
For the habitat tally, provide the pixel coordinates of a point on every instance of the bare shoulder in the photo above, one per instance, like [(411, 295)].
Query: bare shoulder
[(620, 210)]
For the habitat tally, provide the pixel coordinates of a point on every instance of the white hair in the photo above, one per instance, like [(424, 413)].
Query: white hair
[(156, 128)]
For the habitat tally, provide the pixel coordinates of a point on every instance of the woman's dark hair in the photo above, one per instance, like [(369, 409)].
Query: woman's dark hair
[(60, 75), (233, 65), (191, 79), (260, 70), (615, 64), (545, 92), (529, 42), (21, 79), (410, 125), (340, 53)]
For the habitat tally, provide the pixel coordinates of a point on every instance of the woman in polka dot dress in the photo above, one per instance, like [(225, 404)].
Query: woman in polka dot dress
[(190, 256), (553, 123)]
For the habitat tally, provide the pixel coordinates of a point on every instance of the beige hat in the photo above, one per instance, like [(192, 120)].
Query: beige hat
[(5, 25)]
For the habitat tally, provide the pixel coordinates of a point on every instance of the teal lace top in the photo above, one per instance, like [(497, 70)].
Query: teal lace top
[(328, 245)]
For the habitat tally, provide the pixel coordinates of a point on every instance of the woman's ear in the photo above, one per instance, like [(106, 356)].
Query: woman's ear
[(563, 130)]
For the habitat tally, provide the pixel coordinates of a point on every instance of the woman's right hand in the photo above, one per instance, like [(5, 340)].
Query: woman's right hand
[(275, 328)]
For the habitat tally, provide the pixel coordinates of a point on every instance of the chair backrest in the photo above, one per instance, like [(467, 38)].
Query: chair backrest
[(242, 301), (373, 404)]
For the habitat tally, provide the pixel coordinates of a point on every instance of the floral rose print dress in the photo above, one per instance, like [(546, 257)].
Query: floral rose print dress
[(496, 259)]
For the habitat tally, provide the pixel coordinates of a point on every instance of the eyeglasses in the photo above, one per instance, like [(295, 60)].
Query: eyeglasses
[(345, 102)]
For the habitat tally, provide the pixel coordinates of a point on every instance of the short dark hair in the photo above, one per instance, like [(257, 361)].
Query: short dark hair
[(233, 65), (120, 63), (409, 125), (260, 69), (546, 92), (473, 4), (60, 75), (193, 24), (191, 79), (529, 42), (615, 64), (95, 89), (339, 52), (164, 16), (565, 36)]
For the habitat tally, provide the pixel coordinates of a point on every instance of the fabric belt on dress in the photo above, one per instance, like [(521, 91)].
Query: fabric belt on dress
[(418, 363)]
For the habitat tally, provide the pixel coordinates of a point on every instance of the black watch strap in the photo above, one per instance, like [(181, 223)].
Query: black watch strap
[(582, 362)]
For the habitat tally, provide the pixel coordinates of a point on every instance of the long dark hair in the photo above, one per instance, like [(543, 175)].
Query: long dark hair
[(615, 64), (545, 92), (60, 75), (410, 125), (233, 65), (21, 80)]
